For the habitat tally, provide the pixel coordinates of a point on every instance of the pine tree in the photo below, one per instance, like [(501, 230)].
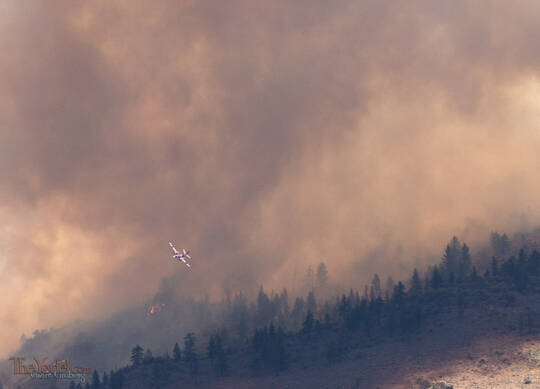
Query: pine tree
[(311, 302), (117, 379), (95, 380), (494, 267), (426, 283), (275, 304), (336, 348), (451, 257), (222, 364), (307, 326), (105, 380), (500, 244), (216, 351), (521, 277), (534, 263), (508, 268), (416, 284), (376, 287), (156, 372), (264, 307), (522, 257), (284, 297), (148, 357), (474, 275), (308, 281), (177, 353), (239, 315), (298, 312), (190, 355), (389, 288), (461, 304), (399, 292), (136, 355), (436, 280), (212, 347), (278, 353), (322, 275), (465, 263)]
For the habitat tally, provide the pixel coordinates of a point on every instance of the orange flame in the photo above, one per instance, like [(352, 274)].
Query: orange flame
[(155, 308)]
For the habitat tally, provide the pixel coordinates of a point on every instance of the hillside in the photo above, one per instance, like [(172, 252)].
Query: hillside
[(491, 343), (453, 325)]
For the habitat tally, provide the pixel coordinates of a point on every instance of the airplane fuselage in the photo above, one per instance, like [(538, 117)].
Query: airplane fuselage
[(181, 256)]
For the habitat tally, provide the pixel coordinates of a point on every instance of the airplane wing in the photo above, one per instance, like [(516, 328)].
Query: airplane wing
[(173, 249), (187, 264)]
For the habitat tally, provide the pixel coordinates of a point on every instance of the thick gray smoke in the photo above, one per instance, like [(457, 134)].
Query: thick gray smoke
[(264, 136)]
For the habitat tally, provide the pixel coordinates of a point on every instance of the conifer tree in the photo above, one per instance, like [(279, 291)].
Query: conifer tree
[(474, 275), (190, 355), (212, 347), (136, 355), (494, 267), (500, 244), (322, 275), (264, 307), (451, 258), (399, 292), (307, 325), (465, 263), (311, 302), (177, 353), (95, 380), (105, 380), (221, 360), (117, 379), (436, 280), (284, 297), (148, 357), (239, 315), (416, 284), (534, 263), (376, 287), (389, 288)]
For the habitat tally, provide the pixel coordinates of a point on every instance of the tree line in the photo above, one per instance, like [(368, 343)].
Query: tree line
[(265, 328)]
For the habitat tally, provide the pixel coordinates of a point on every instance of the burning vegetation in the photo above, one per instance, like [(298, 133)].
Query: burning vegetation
[(155, 308)]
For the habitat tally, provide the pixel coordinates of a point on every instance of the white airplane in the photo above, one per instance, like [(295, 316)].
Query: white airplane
[(180, 256)]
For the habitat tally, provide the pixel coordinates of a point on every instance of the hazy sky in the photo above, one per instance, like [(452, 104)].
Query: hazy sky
[(263, 135)]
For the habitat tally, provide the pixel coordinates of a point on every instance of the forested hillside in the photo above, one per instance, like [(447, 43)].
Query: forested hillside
[(272, 336)]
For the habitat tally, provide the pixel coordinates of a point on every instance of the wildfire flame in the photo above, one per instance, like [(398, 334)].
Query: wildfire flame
[(155, 308)]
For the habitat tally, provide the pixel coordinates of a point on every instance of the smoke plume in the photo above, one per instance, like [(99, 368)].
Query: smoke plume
[(264, 136)]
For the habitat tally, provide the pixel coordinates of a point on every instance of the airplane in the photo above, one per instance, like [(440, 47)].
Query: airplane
[(180, 256)]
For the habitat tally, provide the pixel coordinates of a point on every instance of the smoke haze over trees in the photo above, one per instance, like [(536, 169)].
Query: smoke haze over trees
[(269, 338), (265, 138)]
